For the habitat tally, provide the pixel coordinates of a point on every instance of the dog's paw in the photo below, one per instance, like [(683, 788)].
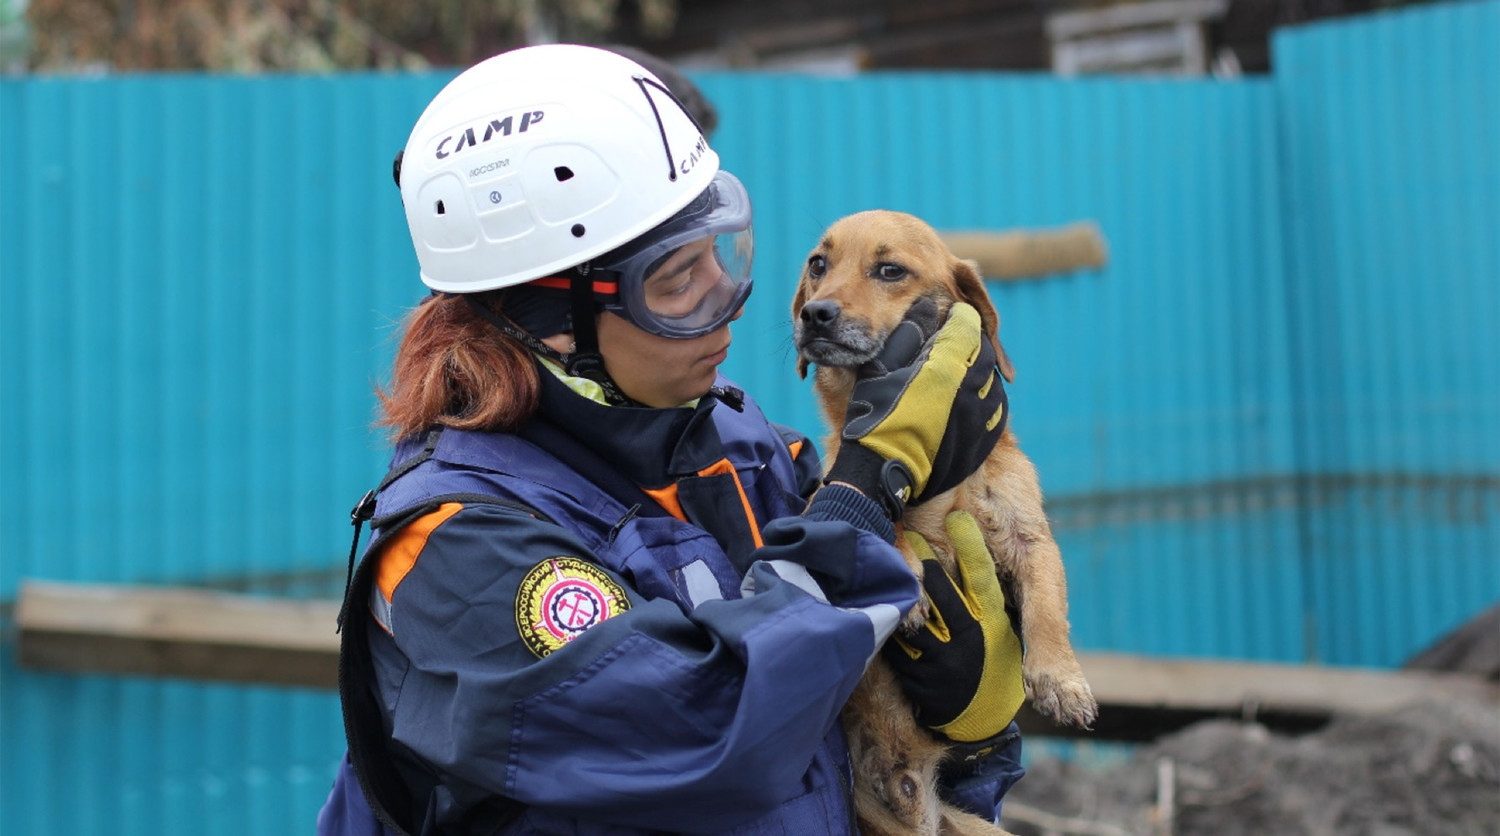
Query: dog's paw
[(917, 616), (1064, 697)]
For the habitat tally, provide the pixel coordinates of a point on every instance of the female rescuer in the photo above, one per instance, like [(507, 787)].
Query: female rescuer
[(597, 598)]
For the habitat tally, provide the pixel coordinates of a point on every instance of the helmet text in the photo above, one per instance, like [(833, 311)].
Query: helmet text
[(687, 164), (496, 127)]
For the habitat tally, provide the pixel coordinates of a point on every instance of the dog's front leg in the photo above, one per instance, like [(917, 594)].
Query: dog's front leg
[(1018, 536)]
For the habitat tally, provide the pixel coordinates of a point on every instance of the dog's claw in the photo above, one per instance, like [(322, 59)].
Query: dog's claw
[(917, 616)]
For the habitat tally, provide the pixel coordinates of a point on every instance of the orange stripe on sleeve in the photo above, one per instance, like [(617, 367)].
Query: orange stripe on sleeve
[(796, 448), (400, 554)]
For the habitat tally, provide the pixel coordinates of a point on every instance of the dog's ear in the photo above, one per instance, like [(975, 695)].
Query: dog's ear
[(798, 301), (971, 289)]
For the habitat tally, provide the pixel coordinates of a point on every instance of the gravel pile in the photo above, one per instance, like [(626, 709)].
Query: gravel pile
[(1425, 770)]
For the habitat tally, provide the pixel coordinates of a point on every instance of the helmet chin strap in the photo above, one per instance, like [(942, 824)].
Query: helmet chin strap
[(586, 361)]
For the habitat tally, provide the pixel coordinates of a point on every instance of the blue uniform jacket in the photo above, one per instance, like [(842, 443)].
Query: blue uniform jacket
[(615, 621)]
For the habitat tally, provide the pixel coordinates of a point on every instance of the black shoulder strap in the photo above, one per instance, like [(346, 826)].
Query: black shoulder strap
[(364, 509), (383, 788)]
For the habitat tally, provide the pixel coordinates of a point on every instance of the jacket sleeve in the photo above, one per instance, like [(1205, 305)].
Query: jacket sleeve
[(652, 718), (977, 781)]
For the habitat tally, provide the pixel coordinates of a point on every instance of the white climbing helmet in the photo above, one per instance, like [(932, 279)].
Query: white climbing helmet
[(539, 159)]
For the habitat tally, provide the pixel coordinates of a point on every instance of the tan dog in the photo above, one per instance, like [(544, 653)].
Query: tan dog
[(858, 283)]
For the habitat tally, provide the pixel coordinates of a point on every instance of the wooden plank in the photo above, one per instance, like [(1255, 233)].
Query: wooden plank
[(1142, 697), (200, 634), (159, 631), (1073, 24)]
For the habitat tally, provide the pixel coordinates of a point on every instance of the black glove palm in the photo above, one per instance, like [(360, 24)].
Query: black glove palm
[(962, 668)]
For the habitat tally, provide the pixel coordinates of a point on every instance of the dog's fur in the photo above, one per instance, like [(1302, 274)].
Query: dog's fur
[(874, 265)]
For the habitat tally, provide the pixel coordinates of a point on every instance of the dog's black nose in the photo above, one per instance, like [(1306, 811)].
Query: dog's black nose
[(821, 312)]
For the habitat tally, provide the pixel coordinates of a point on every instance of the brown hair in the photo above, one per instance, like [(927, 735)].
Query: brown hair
[(455, 369)]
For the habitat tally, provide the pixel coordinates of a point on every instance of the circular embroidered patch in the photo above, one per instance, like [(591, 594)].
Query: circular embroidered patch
[(560, 598)]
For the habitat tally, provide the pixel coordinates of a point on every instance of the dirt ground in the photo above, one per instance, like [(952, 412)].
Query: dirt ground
[(1424, 770)]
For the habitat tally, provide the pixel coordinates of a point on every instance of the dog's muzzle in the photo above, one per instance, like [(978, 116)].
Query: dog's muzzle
[(828, 338)]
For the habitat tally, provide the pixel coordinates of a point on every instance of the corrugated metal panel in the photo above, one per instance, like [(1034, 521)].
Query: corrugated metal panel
[(112, 755), (225, 300), (1393, 209), (201, 276)]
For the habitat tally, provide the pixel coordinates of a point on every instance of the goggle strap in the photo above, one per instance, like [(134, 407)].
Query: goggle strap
[(605, 289)]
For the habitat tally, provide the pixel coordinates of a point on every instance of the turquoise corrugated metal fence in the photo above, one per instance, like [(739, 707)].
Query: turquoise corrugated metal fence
[(1270, 428), (1392, 212), (201, 276)]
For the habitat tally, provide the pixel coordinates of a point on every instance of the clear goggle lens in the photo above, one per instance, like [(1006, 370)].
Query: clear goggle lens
[(700, 285), (690, 275)]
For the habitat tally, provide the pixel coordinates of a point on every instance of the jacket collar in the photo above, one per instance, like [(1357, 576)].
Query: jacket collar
[(652, 447)]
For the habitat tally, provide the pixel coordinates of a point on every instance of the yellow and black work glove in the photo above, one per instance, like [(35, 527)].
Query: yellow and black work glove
[(925, 412), (962, 668)]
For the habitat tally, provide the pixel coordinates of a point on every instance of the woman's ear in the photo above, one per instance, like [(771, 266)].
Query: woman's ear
[(971, 289)]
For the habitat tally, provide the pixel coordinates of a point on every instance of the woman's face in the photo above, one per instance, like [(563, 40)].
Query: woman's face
[(663, 371), (660, 371)]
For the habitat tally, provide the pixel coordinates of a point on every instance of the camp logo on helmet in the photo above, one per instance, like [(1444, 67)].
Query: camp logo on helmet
[(686, 165), (467, 138)]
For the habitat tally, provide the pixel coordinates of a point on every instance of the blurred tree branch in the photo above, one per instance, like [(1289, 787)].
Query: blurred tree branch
[(315, 35)]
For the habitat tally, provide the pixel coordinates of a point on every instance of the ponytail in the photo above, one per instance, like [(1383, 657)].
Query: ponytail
[(454, 369)]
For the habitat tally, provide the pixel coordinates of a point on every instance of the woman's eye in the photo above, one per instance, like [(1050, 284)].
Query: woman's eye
[(816, 267), (675, 285), (890, 272)]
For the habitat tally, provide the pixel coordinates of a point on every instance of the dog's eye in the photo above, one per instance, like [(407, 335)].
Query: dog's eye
[(890, 272), (816, 267)]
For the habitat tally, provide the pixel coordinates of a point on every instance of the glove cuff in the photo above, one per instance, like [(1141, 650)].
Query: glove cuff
[(887, 481), (845, 504), (961, 755)]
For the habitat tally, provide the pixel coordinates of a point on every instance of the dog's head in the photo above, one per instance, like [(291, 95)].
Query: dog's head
[(863, 276)]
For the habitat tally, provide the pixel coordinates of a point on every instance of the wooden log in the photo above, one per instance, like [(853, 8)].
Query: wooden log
[(1016, 254), (200, 634)]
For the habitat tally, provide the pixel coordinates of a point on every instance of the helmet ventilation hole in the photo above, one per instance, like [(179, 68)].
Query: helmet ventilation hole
[(563, 173), (577, 230), (441, 210)]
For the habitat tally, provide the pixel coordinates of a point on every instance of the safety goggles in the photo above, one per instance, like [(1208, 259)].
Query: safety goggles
[(690, 274)]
